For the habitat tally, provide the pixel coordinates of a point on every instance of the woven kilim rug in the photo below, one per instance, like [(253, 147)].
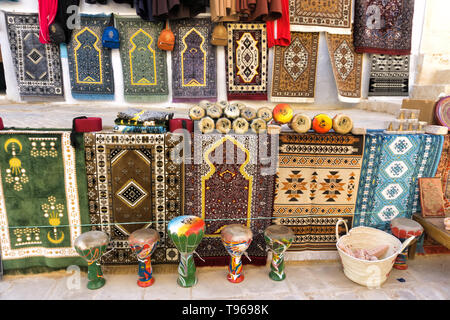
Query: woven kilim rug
[(37, 65), (194, 75), (443, 171), (347, 67), (430, 247), (132, 179), (389, 185), (389, 75), (294, 69), (333, 16), (383, 27), (91, 73), (228, 185), (316, 185), (43, 199), (246, 61), (144, 65)]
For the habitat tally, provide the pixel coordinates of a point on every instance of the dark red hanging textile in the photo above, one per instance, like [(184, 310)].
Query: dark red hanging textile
[(281, 35), (383, 27), (47, 14)]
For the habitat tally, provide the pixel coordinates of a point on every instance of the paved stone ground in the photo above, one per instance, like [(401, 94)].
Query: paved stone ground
[(427, 278)]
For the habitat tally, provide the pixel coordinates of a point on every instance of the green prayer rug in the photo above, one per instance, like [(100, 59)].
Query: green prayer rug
[(43, 199), (90, 67), (143, 63)]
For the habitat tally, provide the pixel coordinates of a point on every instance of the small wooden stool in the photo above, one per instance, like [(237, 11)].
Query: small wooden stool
[(403, 228)]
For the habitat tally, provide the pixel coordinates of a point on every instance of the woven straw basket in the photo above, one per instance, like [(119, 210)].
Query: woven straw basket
[(368, 273)]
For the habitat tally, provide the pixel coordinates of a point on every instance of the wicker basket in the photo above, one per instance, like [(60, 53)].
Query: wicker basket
[(371, 274)]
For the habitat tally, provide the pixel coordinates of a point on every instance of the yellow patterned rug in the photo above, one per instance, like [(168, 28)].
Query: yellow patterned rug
[(294, 69), (347, 67)]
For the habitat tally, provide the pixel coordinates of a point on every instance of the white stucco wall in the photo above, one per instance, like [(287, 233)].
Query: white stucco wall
[(326, 93), (435, 47)]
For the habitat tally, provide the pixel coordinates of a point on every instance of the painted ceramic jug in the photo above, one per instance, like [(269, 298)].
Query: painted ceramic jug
[(91, 246), (278, 239), (404, 228), (186, 233), (236, 238), (143, 243)]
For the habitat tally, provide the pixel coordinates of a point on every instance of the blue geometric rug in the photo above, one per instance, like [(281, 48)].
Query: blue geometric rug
[(37, 66), (389, 177)]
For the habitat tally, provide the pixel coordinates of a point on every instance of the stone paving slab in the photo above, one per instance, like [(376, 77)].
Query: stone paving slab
[(426, 278)]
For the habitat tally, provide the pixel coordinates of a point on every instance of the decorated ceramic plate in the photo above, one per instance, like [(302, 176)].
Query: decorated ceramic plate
[(443, 111)]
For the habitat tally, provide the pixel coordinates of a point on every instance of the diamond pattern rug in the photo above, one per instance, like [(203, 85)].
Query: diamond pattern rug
[(347, 67), (246, 61), (391, 168), (132, 179), (294, 69), (37, 65)]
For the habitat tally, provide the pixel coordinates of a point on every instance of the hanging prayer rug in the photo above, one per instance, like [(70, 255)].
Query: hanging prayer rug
[(143, 63), (383, 27), (132, 179), (91, 74), (226, 183), (316, 185), (389, 75), (347, 67), (294, 69), (246, 61), (389, 185), (37, 65), (193, 61), (333, 16), (43, 200)]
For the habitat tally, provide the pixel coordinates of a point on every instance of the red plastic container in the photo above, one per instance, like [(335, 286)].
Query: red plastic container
[(180, 123), (90, 124)]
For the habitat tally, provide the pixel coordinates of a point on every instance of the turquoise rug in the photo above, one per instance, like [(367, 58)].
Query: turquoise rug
[(391, 168)]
